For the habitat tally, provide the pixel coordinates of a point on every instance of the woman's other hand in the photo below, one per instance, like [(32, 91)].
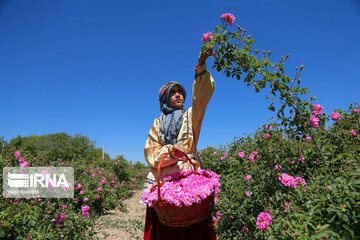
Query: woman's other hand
[(179, 152)]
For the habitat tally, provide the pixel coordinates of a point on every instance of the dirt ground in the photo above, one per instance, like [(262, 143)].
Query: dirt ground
[(117, 225)]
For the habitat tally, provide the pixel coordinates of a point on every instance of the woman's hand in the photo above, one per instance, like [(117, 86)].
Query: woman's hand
[(205, 55), (179, 152)]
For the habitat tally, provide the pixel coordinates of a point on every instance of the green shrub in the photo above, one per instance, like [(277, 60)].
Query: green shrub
[(327, 206), (33, 218)]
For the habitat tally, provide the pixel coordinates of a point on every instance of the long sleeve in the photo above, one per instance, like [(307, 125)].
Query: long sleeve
[(154, 150), (203, 88)]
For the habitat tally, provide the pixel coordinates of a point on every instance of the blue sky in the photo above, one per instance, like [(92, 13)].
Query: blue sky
[(95, 67)]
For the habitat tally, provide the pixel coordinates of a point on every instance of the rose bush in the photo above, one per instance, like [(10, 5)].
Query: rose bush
[(100, 185), (304, 169), (309, 188)]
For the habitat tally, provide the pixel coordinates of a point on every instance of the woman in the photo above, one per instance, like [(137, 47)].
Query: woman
[(178, 129)]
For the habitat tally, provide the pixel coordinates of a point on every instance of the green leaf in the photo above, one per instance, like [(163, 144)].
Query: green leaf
[(354, 173), (311, 226), (271, 108), (323, 227), (349, 230), (321, 234)]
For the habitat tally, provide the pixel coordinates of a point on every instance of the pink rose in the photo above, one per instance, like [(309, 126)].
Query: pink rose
[(207, 37), (356, 111), (266, 136), (263, 221), (308, 138), (21, 160), (298, 180), (17, 154), (78, 186), (287, 180), (353, 133), (248, 177), (287, 205), (329, 187), (228, 18), (248, 194), (81, 192), (241, 154), (24, 164), (85, 211), (103, 181), (314, 121), (270, 128), (100, 189), (335, 116), (317, 109), (278, 167), (60, 218), (85, 200), (43, 172)]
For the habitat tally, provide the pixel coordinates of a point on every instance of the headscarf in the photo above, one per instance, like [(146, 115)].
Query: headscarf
[(170, 118)]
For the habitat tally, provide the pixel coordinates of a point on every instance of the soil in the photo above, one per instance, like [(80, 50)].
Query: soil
[(117, 225)]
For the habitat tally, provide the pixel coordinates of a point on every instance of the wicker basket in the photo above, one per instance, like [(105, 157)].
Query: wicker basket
[(173, 216)]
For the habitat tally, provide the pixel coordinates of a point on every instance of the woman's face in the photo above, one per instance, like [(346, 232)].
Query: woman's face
[(176, 97)]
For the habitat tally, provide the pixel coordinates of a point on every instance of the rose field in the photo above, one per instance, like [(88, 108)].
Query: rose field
[(100, 185), (273, 186)]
